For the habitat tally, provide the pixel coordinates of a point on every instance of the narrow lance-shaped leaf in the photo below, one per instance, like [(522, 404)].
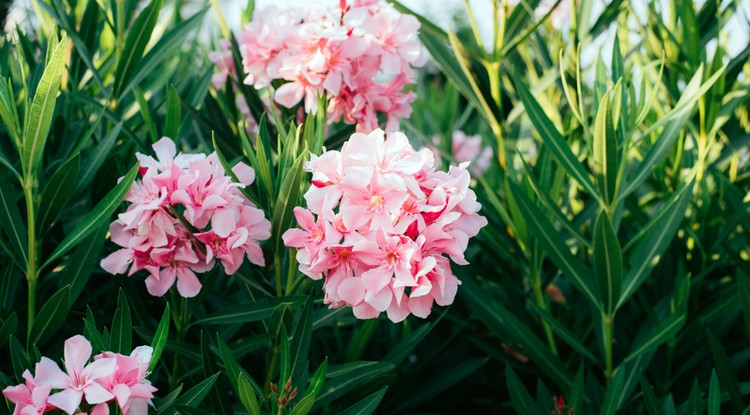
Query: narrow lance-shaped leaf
[(135, 44), (97, 217), (247, 395), (10, 220), (607, 261), (57, 192), (121, 336), (555, 247), (664, 331), (554, 139), (605, 152), (367, 405), (51, 317), (42, 109), (159, 341), (648, 253)]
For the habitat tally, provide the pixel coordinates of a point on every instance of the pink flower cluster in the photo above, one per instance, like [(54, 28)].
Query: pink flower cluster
[(360, 55), (110, 377), (465, 148), (382, 225), (186, 212)]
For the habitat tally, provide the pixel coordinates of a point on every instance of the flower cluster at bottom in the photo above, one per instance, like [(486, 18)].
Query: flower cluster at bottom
[(184, 213), (387, 227), (110, 377)]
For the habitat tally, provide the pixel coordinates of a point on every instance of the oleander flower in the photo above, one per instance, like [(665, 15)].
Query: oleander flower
[(184, 213), (109, 377), (382, 226), (465, 148), (360, 55)]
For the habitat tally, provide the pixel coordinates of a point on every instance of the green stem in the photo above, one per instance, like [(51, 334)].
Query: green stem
[(271, 367), (31, 266), (608, 320), (277, 269), (539, 297), (493, 70)]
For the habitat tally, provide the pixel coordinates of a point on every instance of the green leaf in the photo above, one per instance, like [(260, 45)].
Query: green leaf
[(81, 263), (197, 393), (247, 395), (499, 319), (607, 261), (743, 286), (121, 336), (91, 333), (714, 395), (285, 358), (605, 152), (18, 357), (287, 200), (145, 111), (555, 247), (554, 139), (304, 406), (612, 397), (98, 216), (522, 400), (57, 192), (675, 121), (301, 337), (566, 335), (367, 405), (649, 398), (42, 108), (318, 379), (249, 312), (8, 111), (8, 327), (576, 396), (98, 156), (649, 251), (667, 329), (209, 366), (136, 41), (174, 113), (11, 222), (51, 317), (341, 385), (727, 377), (160, 338), (444, 381), (169, 44)]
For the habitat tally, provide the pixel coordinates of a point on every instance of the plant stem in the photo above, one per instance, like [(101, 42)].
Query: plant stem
[(536, 285), (277, 269), (608, 320), (271, 367), (31, 265)]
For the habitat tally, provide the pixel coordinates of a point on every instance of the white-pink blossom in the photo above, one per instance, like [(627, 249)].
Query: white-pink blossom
[(185, 213), (382, 226)]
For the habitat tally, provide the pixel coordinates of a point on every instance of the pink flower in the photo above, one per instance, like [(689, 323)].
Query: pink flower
[(359, 56), (110, 377), (465, 148), (80, 378), (29, 398), (184, 212), (387, 227), (128, 384)]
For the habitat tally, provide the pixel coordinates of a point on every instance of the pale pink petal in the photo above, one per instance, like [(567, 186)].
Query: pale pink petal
[(187, 283), (245, 174), (68, 400), (289, 94), (352, 291), (420, 306), (100, 368), (223, 222), (95, 393), (159, 286), (118, 261), (77, 353), (100, 409), (48, 373), (18, 394)]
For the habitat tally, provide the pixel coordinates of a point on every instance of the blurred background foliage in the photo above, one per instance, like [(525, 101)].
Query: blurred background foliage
[(615, 270)]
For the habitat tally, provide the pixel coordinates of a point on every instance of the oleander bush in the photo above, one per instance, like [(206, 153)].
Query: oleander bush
[(347, 209)]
